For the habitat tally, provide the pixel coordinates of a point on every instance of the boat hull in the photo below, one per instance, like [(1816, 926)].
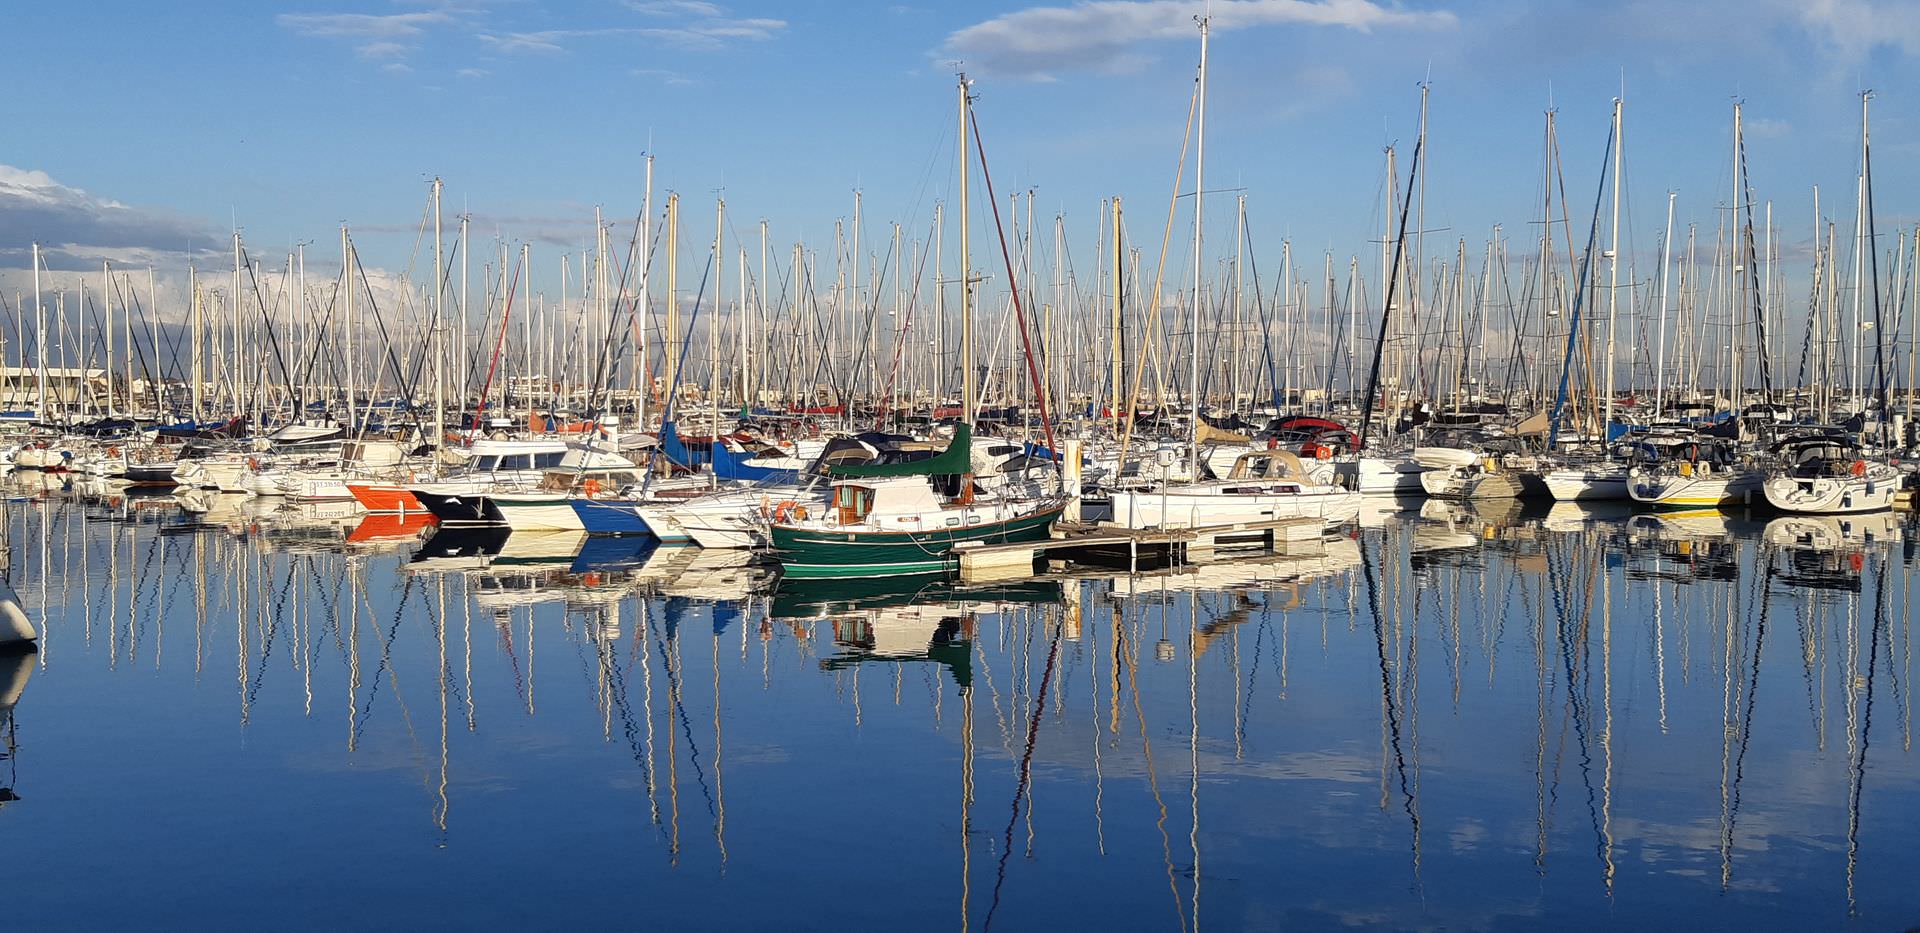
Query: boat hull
[(383, 499), (1380, 476), (537, 512), (609, 516), (461, 508), (1574, 484), (813, 553), (1709, 491), (1835, 495)]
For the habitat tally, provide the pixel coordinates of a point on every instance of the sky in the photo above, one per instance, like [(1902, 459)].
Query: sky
[(141, 131)]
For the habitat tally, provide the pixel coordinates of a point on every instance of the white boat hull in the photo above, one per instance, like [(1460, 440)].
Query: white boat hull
[(1835, 495), (1572, 484), (1178, 509), (537, 512), (1380, 476)]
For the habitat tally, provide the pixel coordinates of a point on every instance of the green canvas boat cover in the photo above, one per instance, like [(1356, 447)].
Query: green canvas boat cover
[(956, 460)]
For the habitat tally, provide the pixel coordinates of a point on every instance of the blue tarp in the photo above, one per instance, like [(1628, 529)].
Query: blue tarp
[(729, 465), (674, 450)]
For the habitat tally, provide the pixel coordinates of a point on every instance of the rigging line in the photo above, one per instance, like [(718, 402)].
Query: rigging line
[(1147, 336), (1026, 342), (1386, 309), (1579, 303)]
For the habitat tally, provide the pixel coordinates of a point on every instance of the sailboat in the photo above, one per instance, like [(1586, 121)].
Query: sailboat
[(1692, 472), (893, 519), (1824, 474), (1262, 486)]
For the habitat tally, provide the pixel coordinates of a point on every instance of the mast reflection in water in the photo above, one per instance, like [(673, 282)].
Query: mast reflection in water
[(1458, 717)]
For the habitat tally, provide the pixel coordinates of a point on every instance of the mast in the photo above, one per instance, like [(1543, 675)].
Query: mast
[(713, 321), (193, 353), (1115, 334), (1660, 355), (106, 296), (346, 283), (233, 324), (1199, 197), (967, 399), (126, 325), (438, 336), (1613, 283), (39, 337), (1873, 257), (672, 363), (646, 294), (465, 255), (758, 381)]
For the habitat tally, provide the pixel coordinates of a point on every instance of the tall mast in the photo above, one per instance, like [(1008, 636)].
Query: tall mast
[(1199, 196), (39, 336), (460, 354), (106, 297), (233, 323), (758, 377), (1613, 283), (126, 325), (439, 322), (193, 332), (646, 294), (672, 363), (346, 283), (1660, 355), (1116, 334), (966, 268), (1873, 282), (713, 320), (1239, 305)]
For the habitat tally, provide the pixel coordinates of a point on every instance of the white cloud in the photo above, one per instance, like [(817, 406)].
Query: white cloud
[(710, 28), (544, 42), (361, 25), (706, 26), (382, 50), (1852, 28), (664, 76), (390, 35), (678, 8), (1103, 35), (77, 229)]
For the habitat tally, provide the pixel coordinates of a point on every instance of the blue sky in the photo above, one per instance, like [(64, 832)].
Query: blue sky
[(290, 119)]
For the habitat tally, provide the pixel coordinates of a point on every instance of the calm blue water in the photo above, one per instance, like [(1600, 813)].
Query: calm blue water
[(1462, 721)]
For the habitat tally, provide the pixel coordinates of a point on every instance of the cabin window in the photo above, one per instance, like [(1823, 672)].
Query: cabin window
[(1001, 450), (485, 464), (853, 503), (516, 462), (548, 459)]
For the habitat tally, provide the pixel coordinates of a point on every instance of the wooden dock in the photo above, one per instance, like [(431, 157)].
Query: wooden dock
[(1114, 547)]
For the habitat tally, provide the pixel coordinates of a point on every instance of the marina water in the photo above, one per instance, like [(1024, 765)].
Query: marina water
[(1448, 718)]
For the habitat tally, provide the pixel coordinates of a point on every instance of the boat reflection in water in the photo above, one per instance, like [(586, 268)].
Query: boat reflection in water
[(16, 666), (1466, 716), (901, 621)]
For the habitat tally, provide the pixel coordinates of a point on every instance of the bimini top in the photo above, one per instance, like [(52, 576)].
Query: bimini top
[(956, 460)]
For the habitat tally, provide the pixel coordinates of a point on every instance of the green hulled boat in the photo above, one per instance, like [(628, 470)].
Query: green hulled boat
[(823, 550), (897, 519)]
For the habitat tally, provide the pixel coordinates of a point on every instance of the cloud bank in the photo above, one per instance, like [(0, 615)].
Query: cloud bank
[(1105, 36)]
